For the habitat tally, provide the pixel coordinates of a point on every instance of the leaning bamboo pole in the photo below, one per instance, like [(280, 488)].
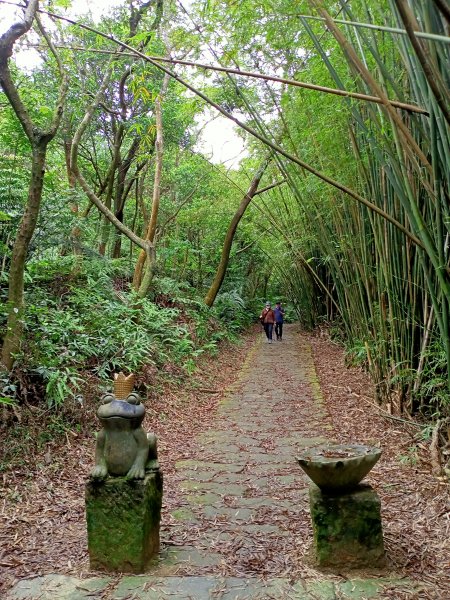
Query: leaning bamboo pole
[(250, 74), (267, 142)]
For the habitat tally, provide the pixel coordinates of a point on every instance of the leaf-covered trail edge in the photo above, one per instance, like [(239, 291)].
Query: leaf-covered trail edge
[(42, 518), (415, 505), (42, 526)]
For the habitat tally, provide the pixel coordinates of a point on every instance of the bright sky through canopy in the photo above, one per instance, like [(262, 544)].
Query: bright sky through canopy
[(218, 140)]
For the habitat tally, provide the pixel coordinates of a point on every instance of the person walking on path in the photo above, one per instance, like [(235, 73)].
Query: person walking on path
[(267, 318), (279, 320)]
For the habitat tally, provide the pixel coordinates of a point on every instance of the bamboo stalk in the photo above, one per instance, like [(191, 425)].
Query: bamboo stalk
[(251, 74), (433, 77), (420, 34)]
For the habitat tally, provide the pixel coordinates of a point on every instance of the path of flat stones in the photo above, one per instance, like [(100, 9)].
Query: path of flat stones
[(242, 528)]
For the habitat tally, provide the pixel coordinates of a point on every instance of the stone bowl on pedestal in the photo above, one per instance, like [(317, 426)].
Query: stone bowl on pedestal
[(338, 467)]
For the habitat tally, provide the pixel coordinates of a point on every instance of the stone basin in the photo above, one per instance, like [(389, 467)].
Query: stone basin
[(335, 467)]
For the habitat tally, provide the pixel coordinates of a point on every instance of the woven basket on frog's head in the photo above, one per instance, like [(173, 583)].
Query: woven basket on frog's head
[(123, 386)]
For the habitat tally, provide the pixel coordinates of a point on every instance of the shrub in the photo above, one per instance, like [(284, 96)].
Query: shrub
[(76, 321)]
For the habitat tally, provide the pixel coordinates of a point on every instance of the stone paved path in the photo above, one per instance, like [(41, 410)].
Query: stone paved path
[(244, 490), (242, 528)]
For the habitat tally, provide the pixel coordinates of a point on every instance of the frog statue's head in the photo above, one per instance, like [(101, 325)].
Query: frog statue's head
[(123, 405), (129, 408)]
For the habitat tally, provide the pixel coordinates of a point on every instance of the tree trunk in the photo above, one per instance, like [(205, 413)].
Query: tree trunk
[(39, 140), (141, 283), (11, 342), (76, 231), (122, 191), (222, 268)]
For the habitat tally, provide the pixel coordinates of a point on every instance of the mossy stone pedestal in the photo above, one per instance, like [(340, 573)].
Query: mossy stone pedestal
[(347, 528), (123, 518)]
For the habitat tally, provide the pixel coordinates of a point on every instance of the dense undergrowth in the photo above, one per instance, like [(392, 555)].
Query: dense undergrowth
[(82, 324), (82, 318)]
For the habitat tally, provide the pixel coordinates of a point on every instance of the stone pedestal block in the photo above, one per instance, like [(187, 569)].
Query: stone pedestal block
[(347, 528), (123, 522)]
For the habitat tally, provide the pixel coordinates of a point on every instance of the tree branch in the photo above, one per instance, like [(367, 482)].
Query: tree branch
[(7, 41), (145, 245), (257, 135), (229, 237), (9, 38), (64, 86)]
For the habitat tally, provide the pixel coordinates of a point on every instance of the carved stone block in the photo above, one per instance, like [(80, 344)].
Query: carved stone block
[(123, 518), (347, 528)]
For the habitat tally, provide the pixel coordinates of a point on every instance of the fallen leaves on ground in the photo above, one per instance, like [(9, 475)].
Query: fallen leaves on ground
[(415, 505), (42, 516), (42, 527)]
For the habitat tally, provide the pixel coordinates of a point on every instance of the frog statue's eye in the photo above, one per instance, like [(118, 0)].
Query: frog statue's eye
[(134, 398), (107, 398)]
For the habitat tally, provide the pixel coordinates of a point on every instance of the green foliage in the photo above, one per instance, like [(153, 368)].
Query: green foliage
[(304, 241), (76, 322), (80, 315), (7, 390), (432, 392), (233, 309), (411, 458)]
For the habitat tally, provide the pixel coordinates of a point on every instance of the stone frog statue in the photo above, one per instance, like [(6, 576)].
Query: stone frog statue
[(123, 448)]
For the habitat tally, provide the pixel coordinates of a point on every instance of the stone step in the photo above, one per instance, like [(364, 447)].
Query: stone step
[(145, 587)]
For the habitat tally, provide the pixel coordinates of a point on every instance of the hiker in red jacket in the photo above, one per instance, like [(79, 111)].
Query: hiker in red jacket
[(267, 318)]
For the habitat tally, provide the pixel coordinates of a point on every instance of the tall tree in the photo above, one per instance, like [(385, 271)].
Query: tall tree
[(226, 248), (39, 138)]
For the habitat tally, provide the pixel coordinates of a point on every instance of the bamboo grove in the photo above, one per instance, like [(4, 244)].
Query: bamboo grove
[(390, 293), (344, 107), (399, 291)]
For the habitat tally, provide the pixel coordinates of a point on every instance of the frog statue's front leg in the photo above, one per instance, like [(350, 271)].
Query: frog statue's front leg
[(100, 470), (137, 470)]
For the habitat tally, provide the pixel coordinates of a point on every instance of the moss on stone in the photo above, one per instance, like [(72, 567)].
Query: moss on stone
[(123, 522), (347, 528), (183, 514)]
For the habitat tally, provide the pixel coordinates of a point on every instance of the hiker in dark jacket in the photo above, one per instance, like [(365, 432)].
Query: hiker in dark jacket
[(267, 318), (279, 320)]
